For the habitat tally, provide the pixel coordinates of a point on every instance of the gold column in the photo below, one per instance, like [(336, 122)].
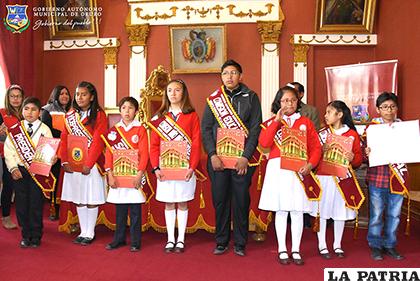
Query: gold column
[(111, 55)]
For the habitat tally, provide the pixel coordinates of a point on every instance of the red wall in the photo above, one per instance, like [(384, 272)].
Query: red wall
[(394, 19)]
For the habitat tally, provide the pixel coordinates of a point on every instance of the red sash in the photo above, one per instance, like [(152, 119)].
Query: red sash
[(116, 140), (76, 127), (310, 183), (349, 186), (26, 151), (227, 117), (169, 130)]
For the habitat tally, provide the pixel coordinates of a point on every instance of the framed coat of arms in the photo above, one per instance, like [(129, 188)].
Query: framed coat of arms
[(197, 49)]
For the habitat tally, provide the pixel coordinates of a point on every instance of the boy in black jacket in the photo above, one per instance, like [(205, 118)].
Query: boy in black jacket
[(231, 186)]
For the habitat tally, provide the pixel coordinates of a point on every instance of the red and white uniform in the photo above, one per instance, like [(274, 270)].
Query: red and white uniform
[(86, 189), (332, 204), (282, 190), (177, 190), (136, 136)]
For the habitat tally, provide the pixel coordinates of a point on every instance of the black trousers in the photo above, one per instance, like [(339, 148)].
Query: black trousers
[(55, 170), (29, 206), (230, 193), (7, 191), (135, 223)]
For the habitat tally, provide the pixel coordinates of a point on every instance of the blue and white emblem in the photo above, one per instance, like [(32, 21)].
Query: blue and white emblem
[(16, 20)]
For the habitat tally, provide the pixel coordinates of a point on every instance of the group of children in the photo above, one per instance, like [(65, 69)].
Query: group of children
[(176, 120)]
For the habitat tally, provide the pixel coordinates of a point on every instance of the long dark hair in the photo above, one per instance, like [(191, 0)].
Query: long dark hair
[(340, 106), (94, 105), (55, 94), (10, 110), (186, 106), (276, 104)]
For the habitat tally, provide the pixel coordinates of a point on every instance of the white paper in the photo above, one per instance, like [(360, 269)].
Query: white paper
[(395, 143)]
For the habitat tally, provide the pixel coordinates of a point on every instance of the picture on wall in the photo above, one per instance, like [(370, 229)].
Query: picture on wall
[(197, 49), (345, 16), (73, 18)]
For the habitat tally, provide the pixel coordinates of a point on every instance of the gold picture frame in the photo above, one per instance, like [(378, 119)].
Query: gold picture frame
[(198, 48), (345, 16), (73, 19)]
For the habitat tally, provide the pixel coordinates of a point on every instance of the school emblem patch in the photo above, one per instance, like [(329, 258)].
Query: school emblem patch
[(16, 20), (77, 154)]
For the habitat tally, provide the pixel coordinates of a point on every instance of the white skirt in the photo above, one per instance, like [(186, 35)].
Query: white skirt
[(332, 204), (122, 195), (282, 190), (176, 191), (81, 189)]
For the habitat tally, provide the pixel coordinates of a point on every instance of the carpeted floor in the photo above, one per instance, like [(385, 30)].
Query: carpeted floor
[(59, 259)]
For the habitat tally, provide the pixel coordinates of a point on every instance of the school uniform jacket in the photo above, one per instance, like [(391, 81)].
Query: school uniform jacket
[(270, 128), (10, 154), (136, 135), (96, 148), (190, 123)]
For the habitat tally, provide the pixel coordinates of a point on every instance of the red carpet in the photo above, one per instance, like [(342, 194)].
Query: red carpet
[(59, 259)]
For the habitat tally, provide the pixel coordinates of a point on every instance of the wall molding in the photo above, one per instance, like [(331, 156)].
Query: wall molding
[(87, 43), (204, 12)]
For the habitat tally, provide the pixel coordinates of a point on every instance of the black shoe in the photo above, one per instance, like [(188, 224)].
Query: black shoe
[(376, 254), (169, 247), (78, 240), (220, 250), (35, 243), (284, 261), (239, 251), (53, 217), (393, 253), (134, 248), (324, 253), (25, 243), (179, 247), (297, 261), (339, 252), (87, 241), (115, 245)]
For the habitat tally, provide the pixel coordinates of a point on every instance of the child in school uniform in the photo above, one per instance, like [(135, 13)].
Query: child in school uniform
[(282, 190), (332, 204), (384, 201), (29, 195), (85, 189), (177, 113), (127, 134)]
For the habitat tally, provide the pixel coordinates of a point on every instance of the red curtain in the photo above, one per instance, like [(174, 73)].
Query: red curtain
[(18, 50)]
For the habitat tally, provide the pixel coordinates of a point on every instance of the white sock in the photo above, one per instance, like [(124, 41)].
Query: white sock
[(297, 229), (338, 233), (82, 215), (322, 244), (170, 216), (92, 216), (182, 217), (281, 227)]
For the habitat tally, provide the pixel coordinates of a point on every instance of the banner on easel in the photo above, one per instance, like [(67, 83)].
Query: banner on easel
[(358, 85)]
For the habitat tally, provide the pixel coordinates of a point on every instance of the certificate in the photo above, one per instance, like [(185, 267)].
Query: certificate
[(44, 155), (395, 143)]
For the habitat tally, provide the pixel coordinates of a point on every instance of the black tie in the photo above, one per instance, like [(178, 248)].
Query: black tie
[(30, 130)]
